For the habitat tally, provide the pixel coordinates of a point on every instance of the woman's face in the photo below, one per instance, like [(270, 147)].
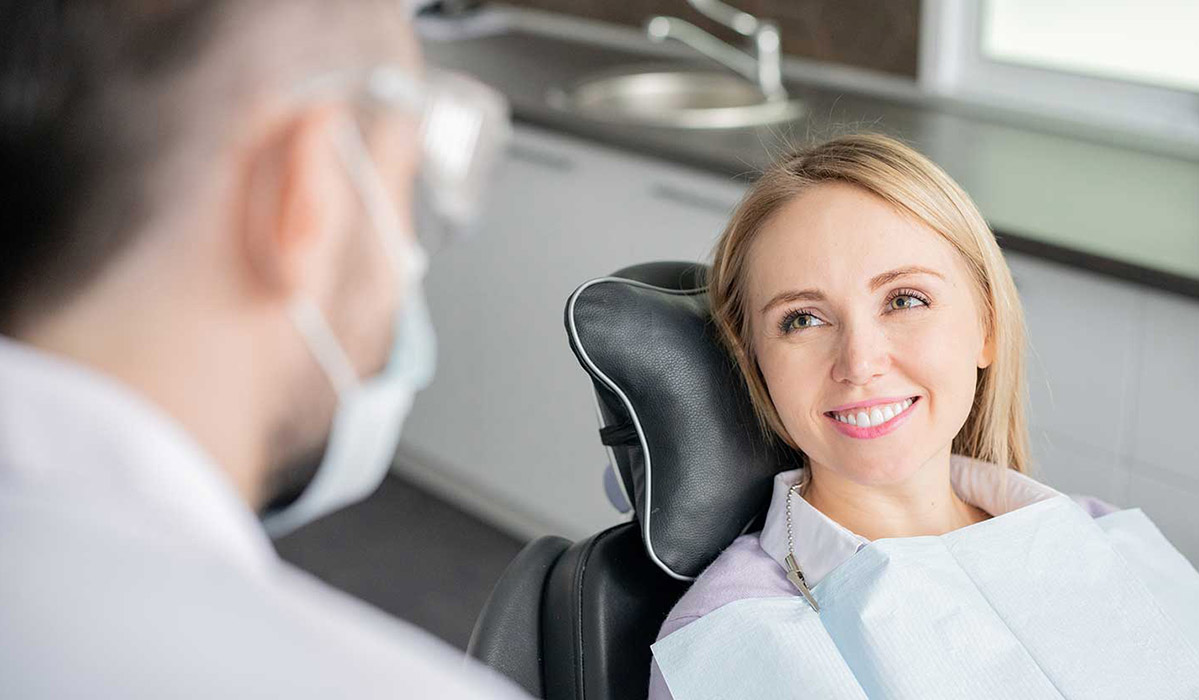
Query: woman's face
[(867, 331)]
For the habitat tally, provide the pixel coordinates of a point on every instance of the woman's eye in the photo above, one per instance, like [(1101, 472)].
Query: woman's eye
[(800, 321), (905, 301)]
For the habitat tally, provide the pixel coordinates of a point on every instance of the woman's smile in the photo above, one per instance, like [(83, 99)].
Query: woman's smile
[(873, 419)]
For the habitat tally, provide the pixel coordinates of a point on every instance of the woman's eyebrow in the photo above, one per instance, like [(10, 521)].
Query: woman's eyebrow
[(877, 281), (793, 296), (892, 275)]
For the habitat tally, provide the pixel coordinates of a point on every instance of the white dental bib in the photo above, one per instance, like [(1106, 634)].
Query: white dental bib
[(1039, 602)]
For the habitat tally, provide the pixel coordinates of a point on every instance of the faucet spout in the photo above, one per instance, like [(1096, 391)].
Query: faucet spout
[(741, 22), (662, 28), (763, 68)]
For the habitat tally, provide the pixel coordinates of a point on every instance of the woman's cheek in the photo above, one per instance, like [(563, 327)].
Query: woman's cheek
[(942, 361), (793, 378)]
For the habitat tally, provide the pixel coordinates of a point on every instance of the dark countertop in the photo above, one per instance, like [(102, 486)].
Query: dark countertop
[(1122, 211)]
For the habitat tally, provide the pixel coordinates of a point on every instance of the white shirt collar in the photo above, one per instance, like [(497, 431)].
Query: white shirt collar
[(72, 435), (822, 544)]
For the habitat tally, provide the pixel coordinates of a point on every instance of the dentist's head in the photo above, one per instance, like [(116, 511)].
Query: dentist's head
[(212, 201)]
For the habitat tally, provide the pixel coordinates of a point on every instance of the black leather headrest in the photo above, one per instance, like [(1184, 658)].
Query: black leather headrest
[(677, 416)]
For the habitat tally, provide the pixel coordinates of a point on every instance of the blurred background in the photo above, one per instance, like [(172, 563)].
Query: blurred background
[(1074, 125)]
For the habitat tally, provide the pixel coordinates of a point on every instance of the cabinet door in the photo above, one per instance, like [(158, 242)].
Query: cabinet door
[(1083, 334), (1113, 374), (508, 426), (1164, 449)]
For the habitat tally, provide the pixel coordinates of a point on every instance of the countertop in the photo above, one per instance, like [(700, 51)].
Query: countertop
[(1131, 213)]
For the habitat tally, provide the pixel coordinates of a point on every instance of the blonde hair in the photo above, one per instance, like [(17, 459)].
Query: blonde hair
[(996, 429)]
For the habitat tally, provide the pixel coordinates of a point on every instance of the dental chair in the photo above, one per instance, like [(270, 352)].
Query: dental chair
[(569, 621)]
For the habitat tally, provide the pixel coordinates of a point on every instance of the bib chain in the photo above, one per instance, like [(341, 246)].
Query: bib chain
[(794, 574)]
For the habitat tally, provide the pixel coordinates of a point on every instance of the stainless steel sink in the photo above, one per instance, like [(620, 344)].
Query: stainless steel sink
[(674, 98)]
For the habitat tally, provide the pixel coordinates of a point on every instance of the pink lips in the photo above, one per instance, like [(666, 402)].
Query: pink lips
[(854, 431)]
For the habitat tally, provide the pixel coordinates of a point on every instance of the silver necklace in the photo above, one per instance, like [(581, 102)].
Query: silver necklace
[(794, 574)]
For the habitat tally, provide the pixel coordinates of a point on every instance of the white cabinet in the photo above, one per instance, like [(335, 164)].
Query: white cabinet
[(1082, 337), (1164, 429), (1081, 364), (1113, 373), (508, 425)]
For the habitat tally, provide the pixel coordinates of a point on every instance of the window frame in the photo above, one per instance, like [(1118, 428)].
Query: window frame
[(952, 66)]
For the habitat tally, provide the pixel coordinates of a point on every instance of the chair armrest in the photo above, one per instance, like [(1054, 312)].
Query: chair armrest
[(507, 635)]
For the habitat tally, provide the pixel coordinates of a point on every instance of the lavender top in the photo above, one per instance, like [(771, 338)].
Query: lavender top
[(753, 565)]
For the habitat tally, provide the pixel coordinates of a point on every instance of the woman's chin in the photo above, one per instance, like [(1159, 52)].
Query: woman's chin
[(872, 468)]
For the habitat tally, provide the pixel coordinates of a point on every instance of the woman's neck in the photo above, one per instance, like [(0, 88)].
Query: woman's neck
[(923, 504)]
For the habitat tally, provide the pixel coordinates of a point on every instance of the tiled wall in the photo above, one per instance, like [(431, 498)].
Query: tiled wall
[(881, 36)]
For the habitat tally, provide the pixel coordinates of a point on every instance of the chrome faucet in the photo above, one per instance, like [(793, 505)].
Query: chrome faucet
[(761, 67)]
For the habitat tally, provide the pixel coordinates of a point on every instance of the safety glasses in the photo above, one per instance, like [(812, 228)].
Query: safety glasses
[(464, 132)]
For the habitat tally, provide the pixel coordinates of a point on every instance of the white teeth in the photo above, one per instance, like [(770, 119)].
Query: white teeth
[(875, 416)]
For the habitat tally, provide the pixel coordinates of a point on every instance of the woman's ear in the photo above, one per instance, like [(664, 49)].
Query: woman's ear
[(987, 354)]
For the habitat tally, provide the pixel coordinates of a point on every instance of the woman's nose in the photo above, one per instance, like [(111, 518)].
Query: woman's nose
[(862, 354)]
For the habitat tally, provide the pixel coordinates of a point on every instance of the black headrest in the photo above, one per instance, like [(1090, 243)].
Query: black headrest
[(677, 416)]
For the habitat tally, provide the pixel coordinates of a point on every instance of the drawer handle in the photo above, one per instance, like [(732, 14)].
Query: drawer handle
[(540, 158)]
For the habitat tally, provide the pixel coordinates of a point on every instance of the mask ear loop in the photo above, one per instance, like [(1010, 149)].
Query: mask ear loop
[(382, 212), (322, 341), (323, 345), (351, 146)]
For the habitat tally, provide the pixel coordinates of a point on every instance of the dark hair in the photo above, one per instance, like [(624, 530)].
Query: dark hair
[(82, 85)]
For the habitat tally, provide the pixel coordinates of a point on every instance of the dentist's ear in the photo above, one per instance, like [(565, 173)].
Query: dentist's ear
[(297, 207)]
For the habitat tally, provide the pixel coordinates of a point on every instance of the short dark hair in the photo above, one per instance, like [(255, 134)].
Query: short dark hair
[(81, 121)]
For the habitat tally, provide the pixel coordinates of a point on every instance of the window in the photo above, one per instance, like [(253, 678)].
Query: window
[(1114, 63)]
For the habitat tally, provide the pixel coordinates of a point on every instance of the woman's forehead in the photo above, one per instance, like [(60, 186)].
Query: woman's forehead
[(838, 237)]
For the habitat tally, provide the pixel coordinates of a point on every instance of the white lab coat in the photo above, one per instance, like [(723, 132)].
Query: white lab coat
[(129, 567)]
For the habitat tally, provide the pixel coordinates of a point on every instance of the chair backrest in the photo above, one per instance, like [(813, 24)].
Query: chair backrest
[(697, 467)]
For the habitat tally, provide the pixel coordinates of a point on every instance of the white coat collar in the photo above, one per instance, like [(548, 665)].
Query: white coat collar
[(72, 435), (822, 544)]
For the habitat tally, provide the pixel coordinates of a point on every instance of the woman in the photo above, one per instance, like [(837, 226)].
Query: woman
[(880, 334)]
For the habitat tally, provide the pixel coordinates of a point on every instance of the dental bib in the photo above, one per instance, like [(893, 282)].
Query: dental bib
[(1039, 602)]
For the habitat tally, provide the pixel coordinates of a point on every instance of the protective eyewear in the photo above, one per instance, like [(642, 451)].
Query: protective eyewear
[(464, 132)]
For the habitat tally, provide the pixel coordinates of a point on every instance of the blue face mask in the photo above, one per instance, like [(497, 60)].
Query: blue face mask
[(370, 412)]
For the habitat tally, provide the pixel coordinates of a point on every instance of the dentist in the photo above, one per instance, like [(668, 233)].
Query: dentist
[(212, 328)]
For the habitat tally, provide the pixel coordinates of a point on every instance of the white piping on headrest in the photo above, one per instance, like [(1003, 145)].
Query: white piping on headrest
[(574, 336)]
